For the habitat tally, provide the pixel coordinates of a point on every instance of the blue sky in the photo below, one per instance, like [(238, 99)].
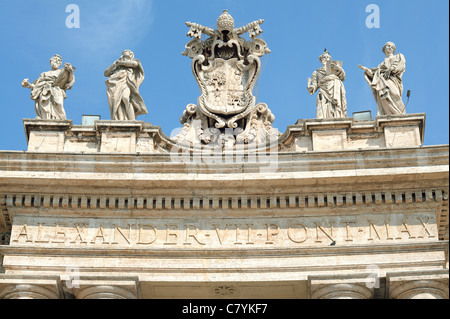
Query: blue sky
[(31, 31)]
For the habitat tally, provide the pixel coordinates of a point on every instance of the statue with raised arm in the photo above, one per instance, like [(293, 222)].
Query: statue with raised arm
[(331, 101), (49, 90), (125, 76), (386, 81)]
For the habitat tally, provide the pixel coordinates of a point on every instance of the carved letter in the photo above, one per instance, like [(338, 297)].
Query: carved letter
[(191, 235), (425, 224), (24, 232), (221, 237), (406, 230), (271, 234), (170, 234), (117, 229), (347, 227), (388, 230), (300, 228), (329, 235), (58, 232), (372, 226), (80, 234), (141, 235), (100, 234), (39, 235)]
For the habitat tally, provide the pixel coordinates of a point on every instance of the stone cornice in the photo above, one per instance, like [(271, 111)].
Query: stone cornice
[(286, 161), (218, 253)]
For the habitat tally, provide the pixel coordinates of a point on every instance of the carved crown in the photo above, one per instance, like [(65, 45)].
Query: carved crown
[(225, 22)]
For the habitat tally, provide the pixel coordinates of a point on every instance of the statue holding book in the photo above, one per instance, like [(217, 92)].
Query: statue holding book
[(49, 90), (331, 101)]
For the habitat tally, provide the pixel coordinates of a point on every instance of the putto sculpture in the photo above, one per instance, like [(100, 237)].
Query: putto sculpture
[(226, 67), (49, 90), (331, 101), (386, 81), (125, 77)]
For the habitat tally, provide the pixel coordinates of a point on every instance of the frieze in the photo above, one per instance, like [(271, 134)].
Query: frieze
[(235, 233)]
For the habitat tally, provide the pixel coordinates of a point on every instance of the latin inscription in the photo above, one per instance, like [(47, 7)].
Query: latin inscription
[(214, 233)]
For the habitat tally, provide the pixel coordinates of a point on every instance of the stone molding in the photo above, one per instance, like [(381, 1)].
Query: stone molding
[(25, 291), (58, 287), (223, 202), (30, 287), (387, 131), (105, 292), (342, 291), (419, 285), (104, 287), (341, 287)]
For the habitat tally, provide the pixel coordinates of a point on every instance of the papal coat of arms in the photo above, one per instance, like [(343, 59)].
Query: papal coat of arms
[(226, 67)]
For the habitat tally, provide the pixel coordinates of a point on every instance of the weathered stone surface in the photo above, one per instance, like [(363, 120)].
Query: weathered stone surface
[(49, 90), (331, 101), (386, 81)]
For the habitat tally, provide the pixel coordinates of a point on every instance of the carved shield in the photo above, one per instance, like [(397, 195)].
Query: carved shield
[(226, 86)]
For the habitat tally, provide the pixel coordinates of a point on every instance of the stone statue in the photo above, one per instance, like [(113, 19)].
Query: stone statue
[(331, 101), (386, 81), (125, 76), (226, 67), (49, 90)]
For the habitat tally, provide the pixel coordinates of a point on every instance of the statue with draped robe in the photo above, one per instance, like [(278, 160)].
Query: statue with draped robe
[(386, 81), (125, 77), (330, 101), (49, 90)]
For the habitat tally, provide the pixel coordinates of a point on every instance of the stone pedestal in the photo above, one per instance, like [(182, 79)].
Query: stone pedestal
[(118, 136), (385, 131), (46, 135)]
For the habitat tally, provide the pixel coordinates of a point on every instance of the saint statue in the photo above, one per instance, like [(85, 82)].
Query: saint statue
[(386, 81), (125, 76), (331, 101), (49, 90)]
